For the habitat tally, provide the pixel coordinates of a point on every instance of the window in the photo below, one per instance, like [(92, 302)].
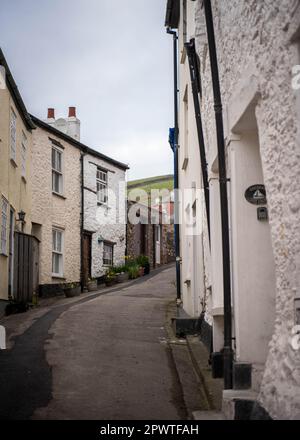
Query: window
[(23, 153), (57, 252), (108, 254), (4, 208), (101, 180), (57, 176), (13, 135)]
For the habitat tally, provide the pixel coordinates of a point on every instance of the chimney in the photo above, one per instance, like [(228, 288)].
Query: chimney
[(51, 113), (72, 112), (73, 124)]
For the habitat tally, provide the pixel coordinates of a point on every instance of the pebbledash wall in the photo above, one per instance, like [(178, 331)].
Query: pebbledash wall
[(51, 210), (106, 221), (257, 45)]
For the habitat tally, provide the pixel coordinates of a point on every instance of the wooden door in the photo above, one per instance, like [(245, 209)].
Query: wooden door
[(87, 258)]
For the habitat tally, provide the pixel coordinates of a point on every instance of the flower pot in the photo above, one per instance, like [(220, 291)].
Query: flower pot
[(121, 277), (141, 271), (92, 286), (147, 269), (71, 292), (110, 282)]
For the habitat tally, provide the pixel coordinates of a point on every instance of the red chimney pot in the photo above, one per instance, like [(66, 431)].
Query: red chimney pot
[(72, 112), (51, 113)]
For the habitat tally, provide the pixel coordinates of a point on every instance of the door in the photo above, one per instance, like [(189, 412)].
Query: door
[(157, 244), (87, 258), (11, 252), (26, 264)]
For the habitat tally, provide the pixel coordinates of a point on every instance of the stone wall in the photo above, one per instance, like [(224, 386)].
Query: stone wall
[(106, 222), (50, 210)]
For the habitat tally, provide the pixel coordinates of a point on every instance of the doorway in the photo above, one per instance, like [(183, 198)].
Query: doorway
[(157, 244), (11, 252), (87, 257)]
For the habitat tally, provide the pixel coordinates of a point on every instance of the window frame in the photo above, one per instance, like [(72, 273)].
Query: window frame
[(23, 154), (102, 193), (13, 135), (4, 227), (58, 252), (108, 262), (57, 171)]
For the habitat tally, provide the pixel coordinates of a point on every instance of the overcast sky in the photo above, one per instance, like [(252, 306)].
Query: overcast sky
[(112, 59)]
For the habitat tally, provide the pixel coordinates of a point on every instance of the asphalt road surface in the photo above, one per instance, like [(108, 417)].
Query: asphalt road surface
[(102, 358)]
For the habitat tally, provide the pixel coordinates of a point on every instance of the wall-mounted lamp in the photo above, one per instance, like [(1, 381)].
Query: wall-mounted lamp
[(100, 239), (21, 218)]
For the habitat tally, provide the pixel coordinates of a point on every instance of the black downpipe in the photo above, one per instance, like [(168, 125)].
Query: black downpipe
[(195, 81), (176, 180), (228, 352)]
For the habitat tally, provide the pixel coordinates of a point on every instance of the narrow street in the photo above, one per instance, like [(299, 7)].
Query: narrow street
[(103, 357)]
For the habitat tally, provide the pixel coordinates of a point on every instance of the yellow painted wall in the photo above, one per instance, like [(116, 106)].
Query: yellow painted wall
[(13, 187)]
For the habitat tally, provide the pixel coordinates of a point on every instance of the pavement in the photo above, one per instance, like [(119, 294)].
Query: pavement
[(109, 355)]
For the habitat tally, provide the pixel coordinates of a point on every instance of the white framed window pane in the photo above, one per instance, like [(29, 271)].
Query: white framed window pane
[(4, 226), (56, 160), (13, 134), (108, 254), (102, 190), (56, 264), (57, 252), (57, 241), (23, 153), (56, 182)]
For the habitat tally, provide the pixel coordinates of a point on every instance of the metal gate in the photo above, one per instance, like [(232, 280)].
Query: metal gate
[(26, 267)]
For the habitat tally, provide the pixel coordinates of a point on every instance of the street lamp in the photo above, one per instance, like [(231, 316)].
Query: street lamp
[(21, 218)]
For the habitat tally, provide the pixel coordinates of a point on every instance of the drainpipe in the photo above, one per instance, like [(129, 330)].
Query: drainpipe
[(176, 180), (228, 352), (82, 154), (196, 88)]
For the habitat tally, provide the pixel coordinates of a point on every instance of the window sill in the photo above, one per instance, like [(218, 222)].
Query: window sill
[(24, 179), (58, 277), (58, 195), (13, 162)]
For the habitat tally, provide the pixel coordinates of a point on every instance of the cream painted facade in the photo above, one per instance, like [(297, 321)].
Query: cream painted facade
[(15, 175), (258, 43), (53, 211)]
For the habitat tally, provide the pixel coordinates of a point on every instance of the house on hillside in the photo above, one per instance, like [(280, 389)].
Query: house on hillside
[(150, 229)]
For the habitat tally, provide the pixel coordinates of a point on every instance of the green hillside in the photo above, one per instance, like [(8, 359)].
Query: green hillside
[(157, 182)]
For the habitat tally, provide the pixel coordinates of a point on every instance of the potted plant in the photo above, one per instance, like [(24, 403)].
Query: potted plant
[(133, 271), (110, 277), (121, 273), (143, 261), (141, 271), (72, 289), (92, 284)]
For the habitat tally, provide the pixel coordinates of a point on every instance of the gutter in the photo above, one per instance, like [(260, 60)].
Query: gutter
[(227, 352)]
